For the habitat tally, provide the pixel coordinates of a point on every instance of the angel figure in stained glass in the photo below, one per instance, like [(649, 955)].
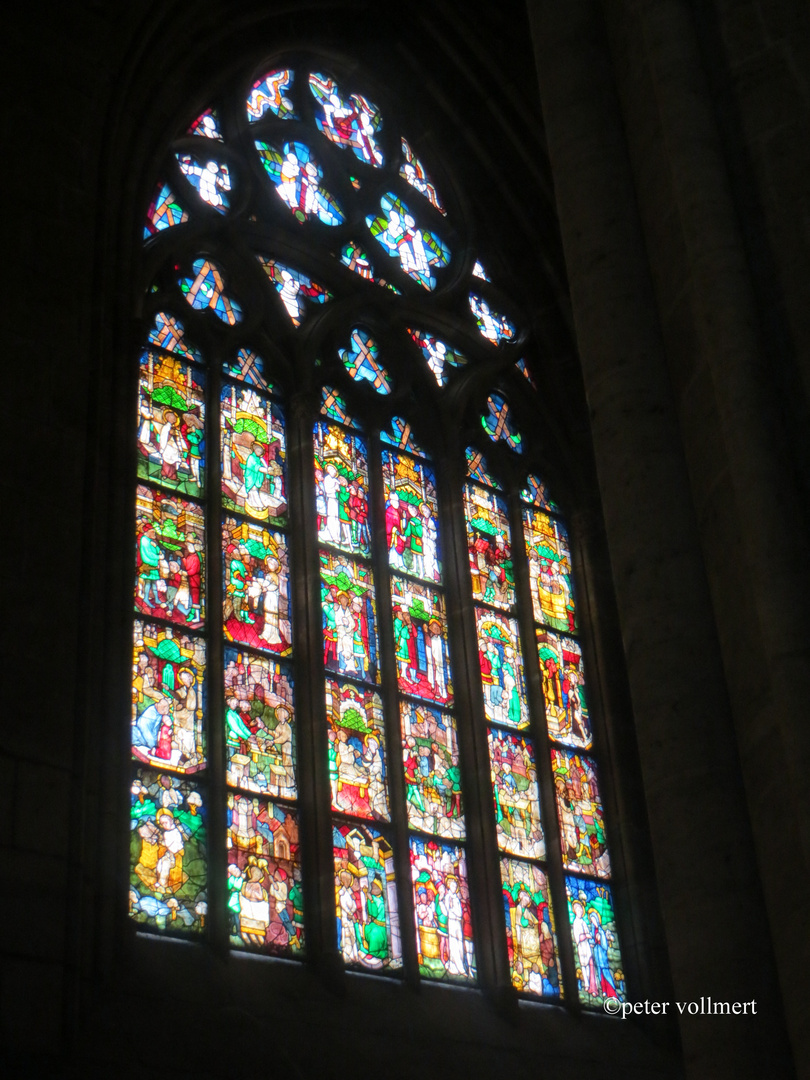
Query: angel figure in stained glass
[(210, 180)]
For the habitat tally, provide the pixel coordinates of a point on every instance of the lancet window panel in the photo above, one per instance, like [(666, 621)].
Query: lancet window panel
[(355, 612)]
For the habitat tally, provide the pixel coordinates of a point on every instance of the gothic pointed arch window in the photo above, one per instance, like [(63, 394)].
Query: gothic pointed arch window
[(356, 635)]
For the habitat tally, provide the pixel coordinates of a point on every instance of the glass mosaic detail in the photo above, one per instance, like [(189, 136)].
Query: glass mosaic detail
[(420, 640), (334, 406), (211, 180), (206, 290), (207, 125), (341, 488), (171, 424), (491, 325), (164, 212), (432, 775), (497, 422), (563, 677), (168, 698), (480, 272), (398, 433), (411, 516), (438, 355), (357, 765), (536, 493), (253, 455), (501, 662), (271, 92), (413, 171), (294, 289), (398, 234), (478, 469), (168, 854), (353, 256), (517, 799), (256, 587), (169, 333), (366, 897), (549, 558), (247, 367), (531, 939), (579, 806), (596, 945), (441, 897), (489, 547), (527, 375), (297, 178), (360, 360), (265, 900), (349, 617), (259, 724), (169, 544), (348, 122)]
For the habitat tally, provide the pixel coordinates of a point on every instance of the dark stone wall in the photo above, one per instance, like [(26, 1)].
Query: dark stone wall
[(658, 181)]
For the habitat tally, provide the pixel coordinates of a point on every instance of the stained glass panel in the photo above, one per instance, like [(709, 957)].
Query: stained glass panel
[(360, 360), (350, 122), (517, 800), (441, 896), (579, 805), (212, 180), (527, 375), (357, 765), (249, 368), (366, 897), (271, 92), (530, 934), (417, 249), (171, 424), (256, 588), (413, 171), (169, 334), (564, 688), (489, 547), (478, 469), (420, 640), (168, 698), (297, 178), (207, 125), (536, 493), (596, 945), (411, 516), (206, 290), (169, 534), (341, 488), (259, 724), (497, 422), (333, 405), (349, 617), (438, 355), (164, 212), (253, 455), (549, 570), (293, 288), (432, 775), (353, 256), (480, 272), (265, 901), (398, 433), (493, 326), (501, 662), (168, 854)]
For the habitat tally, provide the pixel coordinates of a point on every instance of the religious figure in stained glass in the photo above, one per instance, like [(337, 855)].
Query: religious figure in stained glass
[(549, 569), (517, 800), (489, 547), (297, 178), (207, 125), (357, 764), (265, 903), (168, 698), (442, 911), (420, 640), (168, 853), (253, 453), (439, 356), (341, 488), (413, 171), (256, 587), (259, 724), (211, 180), (530, 929), (293, 288), (417, 249), (350, 122), (491, 325), (366, 898), (579, 805), (171, 423), (169, 557), (411, 516), (564, 688), (349, 621), (596, 946), (432, 773), (501, 663)]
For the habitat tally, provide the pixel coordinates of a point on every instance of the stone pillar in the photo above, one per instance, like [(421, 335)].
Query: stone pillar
[(712, 907)]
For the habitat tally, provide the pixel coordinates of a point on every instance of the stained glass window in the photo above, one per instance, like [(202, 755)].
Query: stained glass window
[(355, 606)]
